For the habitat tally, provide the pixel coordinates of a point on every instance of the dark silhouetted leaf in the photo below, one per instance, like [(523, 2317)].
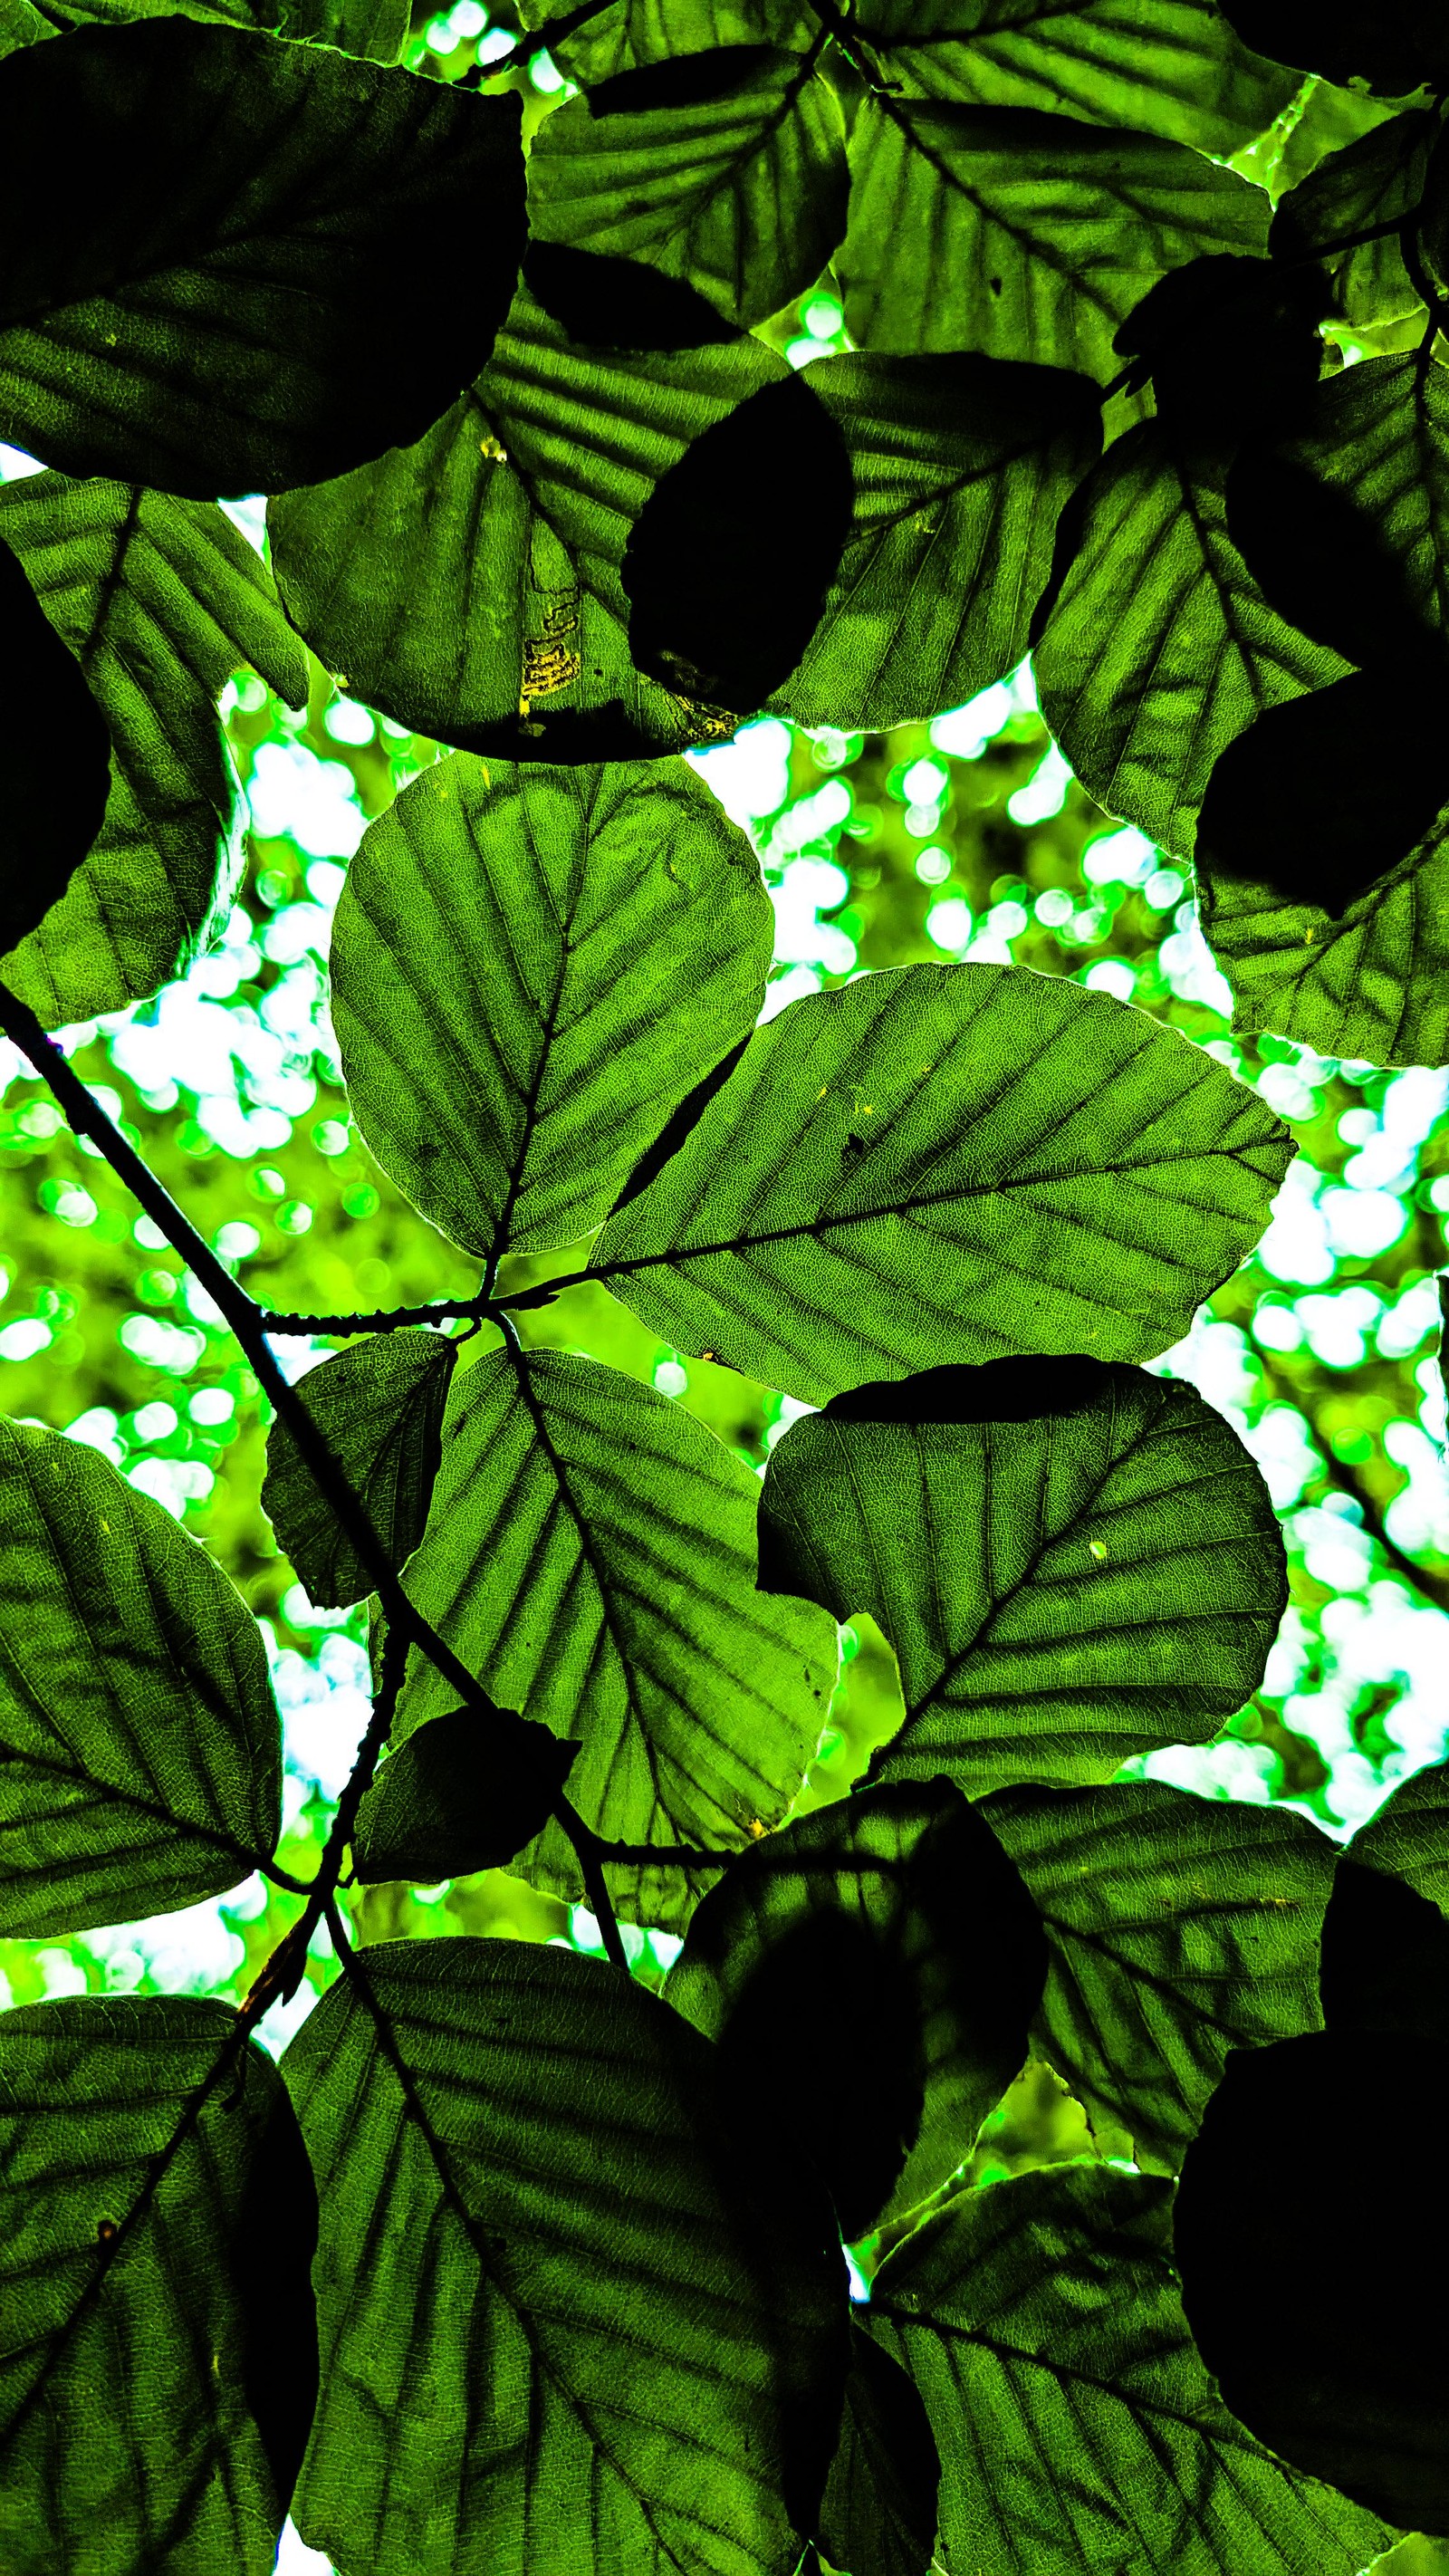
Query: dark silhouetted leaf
[(1373, 984), (591, 1557), (140, 1751), (1077, 2427), (879, 2514), (960, 467), (635, 2317), (459, 1796), (379, 1407), (1153, 611), (1341, 2365), (1022, 235), (159, 600), (739, 191), (604, 303), (1393, 50), (1385, 1957), (1180, 1927), (871, 1972), (1370, 187), (939, 1162), (531, 969), (60, 776), (734, 553), (1062, 1589), (1168, 67), (1231, 347), (157, 2216), (1305, 804), (202, 225)]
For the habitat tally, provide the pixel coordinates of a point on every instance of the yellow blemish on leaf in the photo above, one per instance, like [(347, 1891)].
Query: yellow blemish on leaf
[(1098, 1548)]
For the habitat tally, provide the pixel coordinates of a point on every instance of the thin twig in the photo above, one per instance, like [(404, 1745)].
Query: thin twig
[(250, 1324), (1435, 1587)]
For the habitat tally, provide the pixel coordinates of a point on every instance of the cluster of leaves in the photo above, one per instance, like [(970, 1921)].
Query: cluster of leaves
[(513, 2262)]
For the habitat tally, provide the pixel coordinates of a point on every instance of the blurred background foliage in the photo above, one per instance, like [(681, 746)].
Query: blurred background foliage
[(963, 838)]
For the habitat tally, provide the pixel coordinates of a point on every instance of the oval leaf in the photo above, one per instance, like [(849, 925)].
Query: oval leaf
[(459, 1796), (157, 2220), (894, 1915), (379, 1406), (1073, 1562), (140, 1749), (531, 969), (591, 1557), (1041, 2323), (203, 222), (159, 600), (942, 1162), (563, 2176)]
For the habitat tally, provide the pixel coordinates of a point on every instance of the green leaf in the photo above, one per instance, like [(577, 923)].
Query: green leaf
[(1341, 2366), (1073, 1562), (469, 587), (159, 600), (726, 169), (380, 1408), (1167, 67), (153, 322), (625, 35), (1371, 982), (1180, 1927), (531, 969), (961, 467), (879, 2514), (60, 775), (591, 1557), (1155, 611), (599, 2329), (1077, 2427), (941, 1163), (1023, 235), (140, 1751), (20, 24), (459, 1796), (376, 30), (1374, 184), (1409, 1835), (873, 1969), (157, 2218)]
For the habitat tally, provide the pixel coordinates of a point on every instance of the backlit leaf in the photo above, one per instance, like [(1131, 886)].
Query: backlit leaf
[(1370, 187), (140, 1752), (202, 223), (597, 2330), (1022, 235), (727, 170), (872, 1970), (1409, 1836), (960, 467), (1077, 2427), (1180, 1927), (943, 1163), (157, 2220), (1073, 1562), (1159, 648), (591, 1557), (1168, 67), (379, 1406), (159, 600), (624, 35), (531, 969)]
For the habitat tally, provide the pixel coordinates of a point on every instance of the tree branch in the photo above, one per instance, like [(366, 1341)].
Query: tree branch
[(250, 1324)]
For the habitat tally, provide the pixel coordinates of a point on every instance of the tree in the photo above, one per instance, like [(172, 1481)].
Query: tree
[(513, 2262)]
